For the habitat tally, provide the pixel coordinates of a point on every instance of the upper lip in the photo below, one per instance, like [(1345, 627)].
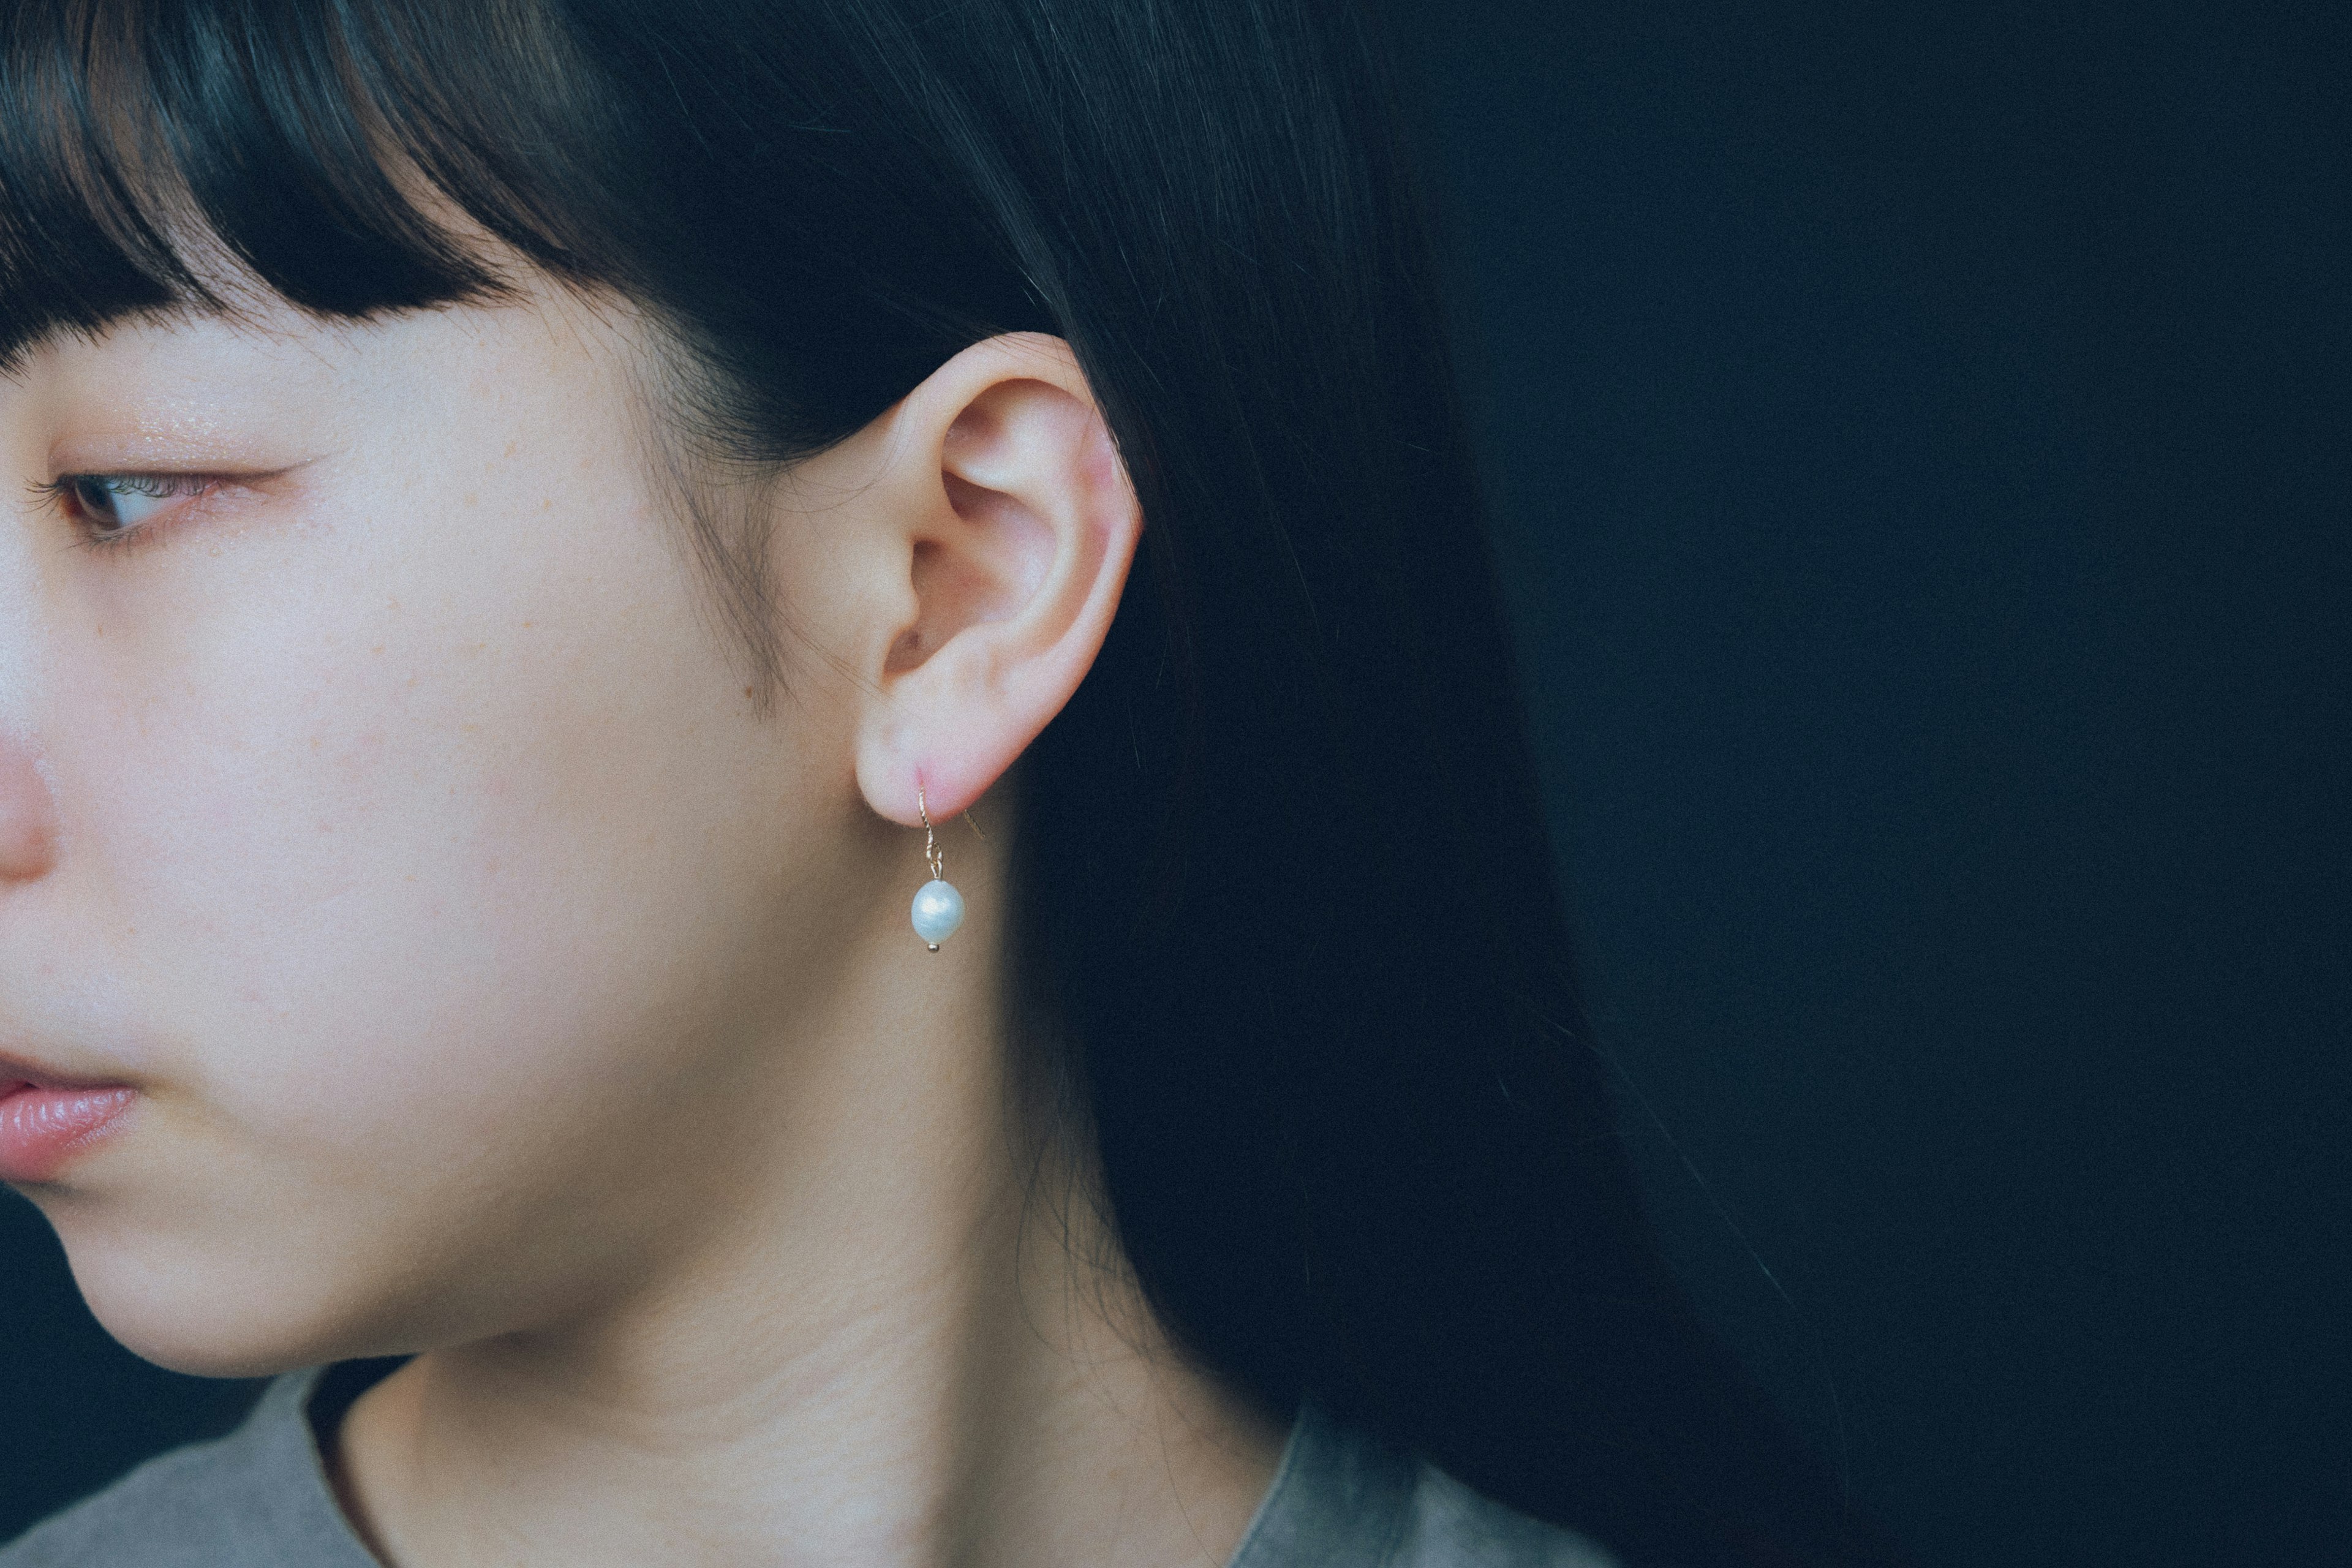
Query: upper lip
[(16, 1073)]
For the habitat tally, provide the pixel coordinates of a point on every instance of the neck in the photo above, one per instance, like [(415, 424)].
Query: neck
[(867, 1329)]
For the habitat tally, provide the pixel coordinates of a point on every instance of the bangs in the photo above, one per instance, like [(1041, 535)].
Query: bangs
[(157, 153)]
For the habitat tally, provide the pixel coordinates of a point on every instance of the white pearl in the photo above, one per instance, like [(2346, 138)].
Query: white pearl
[(938, 910)]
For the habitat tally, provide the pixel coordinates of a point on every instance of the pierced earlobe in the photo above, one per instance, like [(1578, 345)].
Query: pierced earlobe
[(938, 908)]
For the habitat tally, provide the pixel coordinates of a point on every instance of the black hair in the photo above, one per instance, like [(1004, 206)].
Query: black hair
[(1281, 876)]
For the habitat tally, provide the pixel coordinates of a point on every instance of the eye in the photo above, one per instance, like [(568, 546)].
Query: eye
[(112, 508)]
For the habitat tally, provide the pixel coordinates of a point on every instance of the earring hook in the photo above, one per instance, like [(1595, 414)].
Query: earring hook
[(938, 908), (931, 841)]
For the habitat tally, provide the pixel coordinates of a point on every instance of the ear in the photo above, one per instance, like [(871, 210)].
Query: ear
[(1015, 524)]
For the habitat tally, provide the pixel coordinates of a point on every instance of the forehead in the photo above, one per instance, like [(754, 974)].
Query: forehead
[(149, 383), (45, 312), (241, 323), (188, 385)]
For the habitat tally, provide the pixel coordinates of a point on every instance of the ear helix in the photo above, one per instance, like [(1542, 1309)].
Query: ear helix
[(938, 908)]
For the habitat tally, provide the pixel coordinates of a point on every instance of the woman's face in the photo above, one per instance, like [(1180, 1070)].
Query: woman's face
[(393, 817)]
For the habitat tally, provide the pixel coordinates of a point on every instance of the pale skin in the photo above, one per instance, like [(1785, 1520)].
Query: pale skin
[(501, 983)]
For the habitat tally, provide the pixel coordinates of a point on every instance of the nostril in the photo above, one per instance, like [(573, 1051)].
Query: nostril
[(28, 818)]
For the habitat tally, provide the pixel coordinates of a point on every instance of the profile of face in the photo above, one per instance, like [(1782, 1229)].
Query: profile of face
[(384, 801)]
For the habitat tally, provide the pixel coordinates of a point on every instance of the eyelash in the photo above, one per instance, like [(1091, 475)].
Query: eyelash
[(60, 494)]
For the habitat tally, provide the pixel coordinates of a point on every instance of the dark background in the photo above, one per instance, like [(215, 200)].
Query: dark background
[(1919, 440)]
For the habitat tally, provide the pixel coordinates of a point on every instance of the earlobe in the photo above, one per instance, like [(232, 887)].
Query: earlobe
[(1018, 531)]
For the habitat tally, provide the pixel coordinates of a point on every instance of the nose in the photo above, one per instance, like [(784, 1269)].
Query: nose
[(28, 816)]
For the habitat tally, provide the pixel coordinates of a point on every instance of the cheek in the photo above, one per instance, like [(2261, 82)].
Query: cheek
[(415, 859)]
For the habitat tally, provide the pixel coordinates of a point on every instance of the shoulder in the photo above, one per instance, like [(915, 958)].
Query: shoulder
[(1447, 1525), (1343, 1499), (257, 1498)]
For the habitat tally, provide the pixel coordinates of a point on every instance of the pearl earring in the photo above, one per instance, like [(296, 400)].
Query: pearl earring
[(938, 908)]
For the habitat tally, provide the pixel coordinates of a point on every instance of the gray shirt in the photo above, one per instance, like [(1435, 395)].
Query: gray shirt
[(259, 1498)]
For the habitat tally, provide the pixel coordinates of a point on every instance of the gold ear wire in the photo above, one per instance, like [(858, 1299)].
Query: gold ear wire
[(937, 862)]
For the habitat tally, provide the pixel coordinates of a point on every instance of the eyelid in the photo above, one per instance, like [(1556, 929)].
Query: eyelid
[(167, 481), (197, 485), (152, 483), (160, 485)]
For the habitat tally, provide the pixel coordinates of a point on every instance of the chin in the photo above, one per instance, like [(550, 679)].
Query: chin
[(189, 1309)]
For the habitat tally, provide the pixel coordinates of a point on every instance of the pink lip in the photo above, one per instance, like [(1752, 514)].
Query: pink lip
[(46, 1122)]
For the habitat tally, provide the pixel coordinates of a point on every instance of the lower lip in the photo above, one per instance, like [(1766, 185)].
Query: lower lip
[(42, 1129)]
